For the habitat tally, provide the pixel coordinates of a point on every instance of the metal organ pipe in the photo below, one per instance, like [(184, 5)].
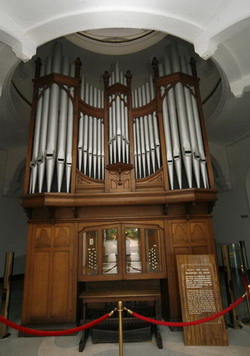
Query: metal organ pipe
[(69, 145), (167, 132), (43, 132), (95, 135), (191, 124), (146, 132), (62, 129), (151, 130), (99, 138), (53, 118), (173, 126), (203, 161), (142, 136), (182, 118), (37, 133), (155, 125), (138, 138), (90, 133), (85, 131)]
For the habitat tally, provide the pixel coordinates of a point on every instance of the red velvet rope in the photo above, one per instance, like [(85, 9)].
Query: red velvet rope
[(189, 323), (53, 333)]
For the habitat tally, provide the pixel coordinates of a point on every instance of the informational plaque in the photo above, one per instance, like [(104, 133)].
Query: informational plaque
[(200, 298)]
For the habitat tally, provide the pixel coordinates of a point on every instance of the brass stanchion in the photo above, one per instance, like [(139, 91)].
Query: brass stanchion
[(120, 310)]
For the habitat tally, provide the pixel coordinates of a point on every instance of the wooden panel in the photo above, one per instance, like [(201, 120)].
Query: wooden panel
[(179, 232), (198, 231), (39, 285), (62, 236), (61, 284), (43, 237), (200, 298)]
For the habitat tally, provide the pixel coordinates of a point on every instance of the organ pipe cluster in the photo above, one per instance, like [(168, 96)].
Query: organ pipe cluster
[(53, 136), (183, 135), (53, 133)]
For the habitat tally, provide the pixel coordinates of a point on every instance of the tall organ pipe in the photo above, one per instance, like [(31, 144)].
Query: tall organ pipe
[(151, 130), (69, 135), (95, 135), (168, 141), (173, 126), (80, 130), (53, 118), (146, 132), (138, 138), (90, 145), (43, 132), (86, 131), (99, 139), (62, 129), (37, 133), (182, 117), (142, 136), (203, 160), (155, 125), (191, 124)]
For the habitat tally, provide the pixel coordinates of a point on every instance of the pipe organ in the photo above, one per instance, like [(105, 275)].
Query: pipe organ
[(113, 157)]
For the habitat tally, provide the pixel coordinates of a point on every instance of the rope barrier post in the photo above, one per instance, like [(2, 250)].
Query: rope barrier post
[(120, 310)]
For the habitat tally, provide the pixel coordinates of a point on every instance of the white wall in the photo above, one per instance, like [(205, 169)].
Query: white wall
[(231, 212), (13, 221)]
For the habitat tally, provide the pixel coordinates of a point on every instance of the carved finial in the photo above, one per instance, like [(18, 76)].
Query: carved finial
[(106, 79), (129, 78), (78, 64), (38, 64), (155, 67)]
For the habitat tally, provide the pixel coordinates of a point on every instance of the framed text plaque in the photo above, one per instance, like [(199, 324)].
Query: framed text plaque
[(200, 298)]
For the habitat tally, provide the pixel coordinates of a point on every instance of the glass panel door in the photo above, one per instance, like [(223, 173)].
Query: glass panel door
[(110, 251), (133, 250)]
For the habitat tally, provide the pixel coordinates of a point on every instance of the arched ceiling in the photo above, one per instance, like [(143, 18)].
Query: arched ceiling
[(219, 29), (211, 26)]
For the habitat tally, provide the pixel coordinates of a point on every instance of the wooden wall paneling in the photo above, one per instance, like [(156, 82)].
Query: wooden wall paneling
[(39, 286), (50, 281)]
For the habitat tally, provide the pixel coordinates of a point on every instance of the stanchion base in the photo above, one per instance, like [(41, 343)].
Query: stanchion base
[(246, 321)]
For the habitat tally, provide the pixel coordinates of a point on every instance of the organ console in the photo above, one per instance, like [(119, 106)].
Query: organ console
[(118, 182)]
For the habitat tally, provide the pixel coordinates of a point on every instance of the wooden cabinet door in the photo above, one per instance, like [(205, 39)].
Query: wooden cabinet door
[(50, 285)]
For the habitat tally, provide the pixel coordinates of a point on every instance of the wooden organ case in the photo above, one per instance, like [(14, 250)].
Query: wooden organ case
[(118, 182)]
